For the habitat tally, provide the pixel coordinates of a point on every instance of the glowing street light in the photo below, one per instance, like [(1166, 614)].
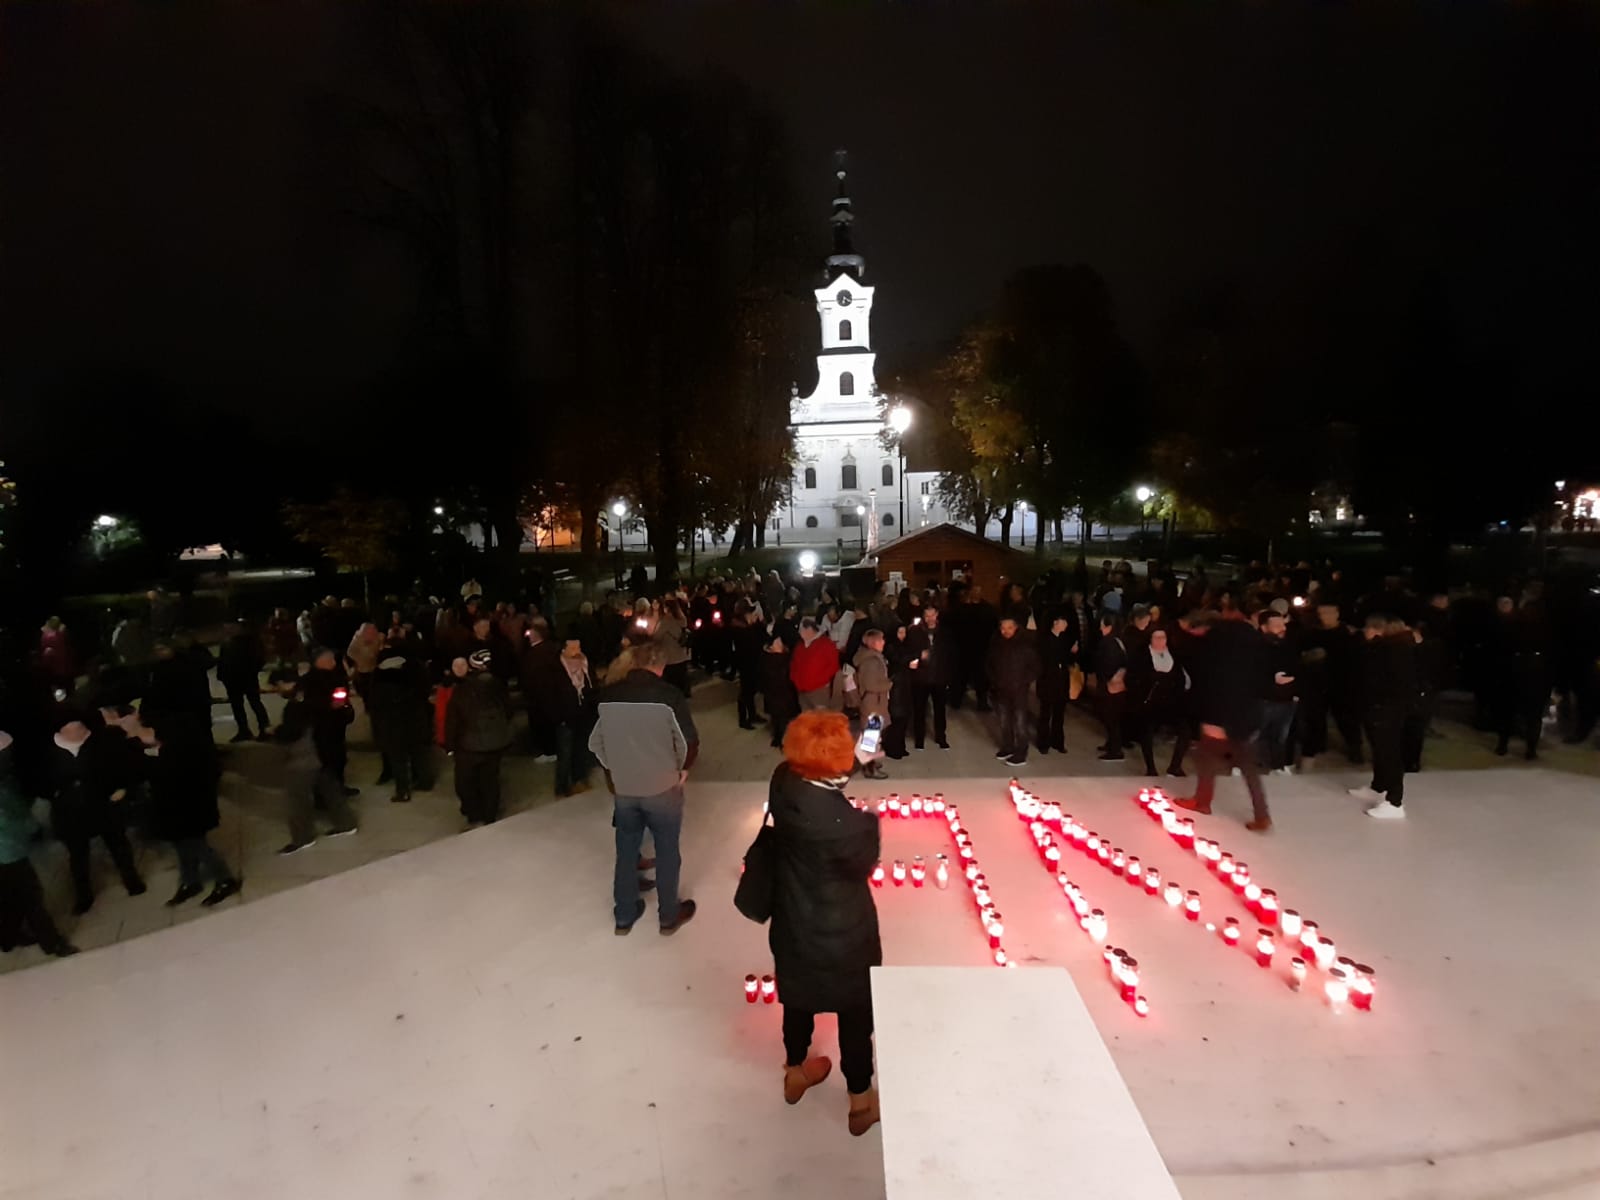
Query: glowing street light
[(808, 561), (1143, 494), (438, 510), (619, 510), (105, 521)]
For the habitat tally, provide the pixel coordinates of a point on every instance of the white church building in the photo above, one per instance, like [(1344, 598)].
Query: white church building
[(847, 489)]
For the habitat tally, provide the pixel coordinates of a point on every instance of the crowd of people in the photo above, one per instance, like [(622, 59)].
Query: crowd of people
[(1264, 671)]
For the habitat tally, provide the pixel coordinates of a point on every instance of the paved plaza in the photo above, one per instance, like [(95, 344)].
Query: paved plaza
[(457, 1020)]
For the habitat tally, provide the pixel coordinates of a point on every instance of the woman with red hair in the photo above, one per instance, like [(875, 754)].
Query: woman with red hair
[(824, 932)]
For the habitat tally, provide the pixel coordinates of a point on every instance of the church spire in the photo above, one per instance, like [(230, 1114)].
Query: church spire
[(844, 257)]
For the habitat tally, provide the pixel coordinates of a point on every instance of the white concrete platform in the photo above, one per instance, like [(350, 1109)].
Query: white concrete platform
[(459, 1021), (997, 1084)]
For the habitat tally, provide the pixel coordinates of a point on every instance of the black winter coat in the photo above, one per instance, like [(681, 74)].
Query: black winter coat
[(82, 804), (1013, 663), (397, 702), (824, 932), (781, 702), (939, 668), (1230, 664), (478, 720), (1055, 656), (183, 782)]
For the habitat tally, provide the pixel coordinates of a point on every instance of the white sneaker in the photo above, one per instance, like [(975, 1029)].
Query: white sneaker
[(1364, 793), (1284, 771), (1387, 812)]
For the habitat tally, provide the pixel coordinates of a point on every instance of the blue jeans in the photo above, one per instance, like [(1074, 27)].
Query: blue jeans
[(662, 815), (1277, 720)]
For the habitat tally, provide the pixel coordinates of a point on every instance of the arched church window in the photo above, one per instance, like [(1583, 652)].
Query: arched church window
[(847, 477), (844, 331), (888, 518), (888, 475), (847, 384), (811, 522), (811, 477)]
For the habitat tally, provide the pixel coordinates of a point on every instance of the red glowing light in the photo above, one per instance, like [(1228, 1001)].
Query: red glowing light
[(1141, 1006), (769, 989), (751, 987)]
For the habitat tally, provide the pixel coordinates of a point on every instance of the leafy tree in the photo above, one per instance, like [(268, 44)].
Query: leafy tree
[(355, 532)]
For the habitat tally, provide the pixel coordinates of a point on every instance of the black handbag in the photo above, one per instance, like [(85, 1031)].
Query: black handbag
[(759, 880)]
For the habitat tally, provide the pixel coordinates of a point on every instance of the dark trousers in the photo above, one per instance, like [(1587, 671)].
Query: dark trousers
[(410, 765), (1053, 723), (197, 860), (920, 695), (1216, 756), (22, 911), (1415, 733), (1386, 732), (974, 676), (894, 737), (572, 756), (1524, 720), (121, 853), (749, 685), (309, 792), (662, 815), (1012, 709), (855, 1043), (1149, 724), (1316, 707), (780, 721), (238, 697), (541, 732), (1277, 724), (1112, 707), (478, 784)]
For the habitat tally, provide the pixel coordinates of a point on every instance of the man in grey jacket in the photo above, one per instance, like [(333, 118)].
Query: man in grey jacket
[(645, 739), (873, 684)]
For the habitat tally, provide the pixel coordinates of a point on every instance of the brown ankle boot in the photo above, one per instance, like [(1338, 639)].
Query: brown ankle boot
[(798, 1080), (863, 1111)]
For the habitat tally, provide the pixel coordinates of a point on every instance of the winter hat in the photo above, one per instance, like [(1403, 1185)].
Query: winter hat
[(478, 660), (392, 663), (1280, 606)]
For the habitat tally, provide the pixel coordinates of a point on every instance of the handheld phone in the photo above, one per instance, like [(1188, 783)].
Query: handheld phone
[(871, 735)]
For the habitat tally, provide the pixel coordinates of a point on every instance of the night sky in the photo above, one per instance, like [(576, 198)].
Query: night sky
[(160, 208)]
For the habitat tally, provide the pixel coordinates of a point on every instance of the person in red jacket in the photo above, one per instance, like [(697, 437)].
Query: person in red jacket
[(813, 666)]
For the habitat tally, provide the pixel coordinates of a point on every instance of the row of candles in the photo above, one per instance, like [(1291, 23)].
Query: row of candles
[(1347, 981), (1123, 966)]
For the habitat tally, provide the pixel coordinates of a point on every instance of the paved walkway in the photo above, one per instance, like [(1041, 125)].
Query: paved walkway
[(253, 825)]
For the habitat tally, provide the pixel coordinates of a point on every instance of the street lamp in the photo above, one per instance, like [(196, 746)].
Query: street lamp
[(1143, 495), (1022, 507), (619, 510), (438, 510), (861, 528), (808, 561), (900, 421), (106, 521)]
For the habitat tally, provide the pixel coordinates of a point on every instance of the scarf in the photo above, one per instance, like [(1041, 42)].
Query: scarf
[(577, 671), (1161, 662)]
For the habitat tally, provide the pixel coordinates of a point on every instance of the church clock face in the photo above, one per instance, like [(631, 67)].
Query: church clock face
[(843, 298)]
